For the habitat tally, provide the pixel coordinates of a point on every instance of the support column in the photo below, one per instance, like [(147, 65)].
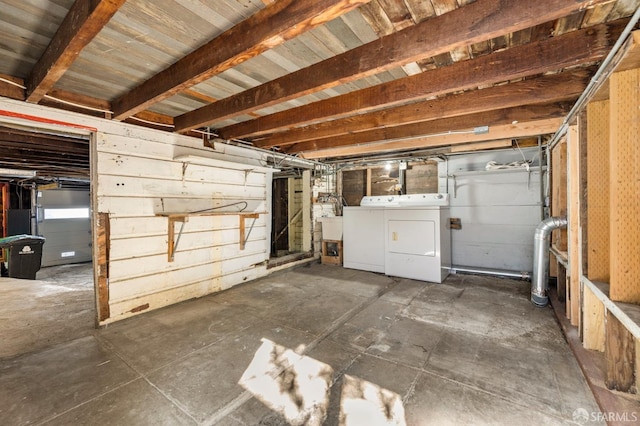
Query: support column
[(574, 296)]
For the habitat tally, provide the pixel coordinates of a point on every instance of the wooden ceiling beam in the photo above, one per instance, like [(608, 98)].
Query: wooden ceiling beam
[(29, 157), (540, 90), (276, 23), (83, 22), (464, 123), (37, 148), (574, 48), (12, 87), (505, 131), (76, 102), (473, 23)]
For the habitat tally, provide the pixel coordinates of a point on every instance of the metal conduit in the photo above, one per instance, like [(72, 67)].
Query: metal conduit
[(540, 278), (596, 81), (521, 275)]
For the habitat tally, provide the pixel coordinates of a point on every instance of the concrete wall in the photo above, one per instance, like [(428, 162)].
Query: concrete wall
[(138, 173)]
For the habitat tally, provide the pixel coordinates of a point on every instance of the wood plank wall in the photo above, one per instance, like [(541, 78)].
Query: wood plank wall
[(138, 172), (136, 179)]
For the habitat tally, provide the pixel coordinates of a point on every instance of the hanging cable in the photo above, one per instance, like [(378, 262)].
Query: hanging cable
[(154, 123)]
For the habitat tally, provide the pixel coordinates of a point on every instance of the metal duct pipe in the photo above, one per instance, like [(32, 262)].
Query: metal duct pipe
[(540, 279)]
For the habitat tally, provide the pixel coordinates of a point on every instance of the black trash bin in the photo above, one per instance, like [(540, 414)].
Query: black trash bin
[(25, 255)]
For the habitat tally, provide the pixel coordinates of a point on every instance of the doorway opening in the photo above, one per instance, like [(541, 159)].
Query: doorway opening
[(46, 192), (291, 217)]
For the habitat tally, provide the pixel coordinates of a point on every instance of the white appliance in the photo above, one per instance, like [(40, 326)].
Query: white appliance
[(363, 238), (401, 235)]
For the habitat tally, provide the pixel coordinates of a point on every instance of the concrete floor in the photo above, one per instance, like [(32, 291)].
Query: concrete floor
[(472, 350), (57, 307)]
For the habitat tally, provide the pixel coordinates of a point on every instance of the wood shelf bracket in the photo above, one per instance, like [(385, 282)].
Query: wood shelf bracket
[(173, 240)]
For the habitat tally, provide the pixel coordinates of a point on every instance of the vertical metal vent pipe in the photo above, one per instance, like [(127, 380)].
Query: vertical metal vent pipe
[(540, 277)]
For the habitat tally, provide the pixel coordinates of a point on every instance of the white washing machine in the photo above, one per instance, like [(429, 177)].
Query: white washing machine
[(363, 238), (403, 235)]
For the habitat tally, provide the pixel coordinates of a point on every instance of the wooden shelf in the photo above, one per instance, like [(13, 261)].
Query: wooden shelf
[(331, 258), (172, 243)]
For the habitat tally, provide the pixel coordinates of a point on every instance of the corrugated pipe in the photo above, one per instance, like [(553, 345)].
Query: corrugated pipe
[(540, 279)]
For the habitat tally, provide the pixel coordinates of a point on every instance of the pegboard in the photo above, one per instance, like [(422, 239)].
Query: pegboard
[(598, 191), (625, 187)]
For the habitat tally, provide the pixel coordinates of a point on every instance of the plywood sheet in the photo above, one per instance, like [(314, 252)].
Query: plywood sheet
[(593, 321), (619, 355), (598, 191), (625, 187)]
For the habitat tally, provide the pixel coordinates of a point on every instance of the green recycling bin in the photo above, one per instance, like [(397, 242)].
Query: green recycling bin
[(25, 255)]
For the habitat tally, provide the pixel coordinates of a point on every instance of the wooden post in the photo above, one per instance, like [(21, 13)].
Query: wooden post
[(573, 141), (562, 282), (625, 186), (619, 354), (243, 226), (171, 244), (242, 231), (306, 212), (593, 321), (598, 191), (559, 192), (102, 267)]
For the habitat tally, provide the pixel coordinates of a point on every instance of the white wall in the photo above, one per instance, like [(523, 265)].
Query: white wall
[(499, 210), (138, 173), (136, 183)]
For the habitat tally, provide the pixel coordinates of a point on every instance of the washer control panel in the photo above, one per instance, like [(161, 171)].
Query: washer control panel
[(410, 200)]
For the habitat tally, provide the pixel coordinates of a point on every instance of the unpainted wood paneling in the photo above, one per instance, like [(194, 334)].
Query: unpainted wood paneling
[(305, 195), (384, 180), (625, 186), (295, 215), (593, 321), (354, 186), (619, 354), (573, 142), (598, 191), (422, 178), (102, 265), (559, 192)]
